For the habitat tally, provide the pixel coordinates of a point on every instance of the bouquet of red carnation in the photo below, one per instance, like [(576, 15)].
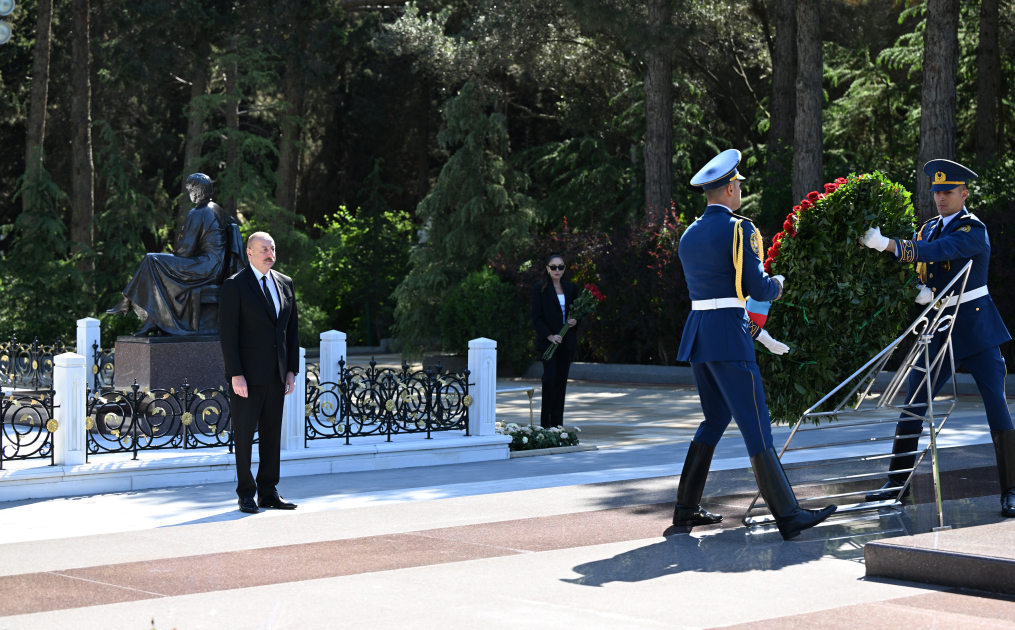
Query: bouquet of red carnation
[(585, 304)]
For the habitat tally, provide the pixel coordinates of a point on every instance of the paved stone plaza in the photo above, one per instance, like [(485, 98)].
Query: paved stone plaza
[(561, 541)]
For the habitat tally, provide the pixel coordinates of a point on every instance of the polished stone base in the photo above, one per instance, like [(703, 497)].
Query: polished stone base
[(981, 558), (166, 362)]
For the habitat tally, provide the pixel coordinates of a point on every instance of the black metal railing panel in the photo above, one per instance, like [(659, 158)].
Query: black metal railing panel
[(368, 401), (27, 427), (150, 420), (28, 365), (103, 368)]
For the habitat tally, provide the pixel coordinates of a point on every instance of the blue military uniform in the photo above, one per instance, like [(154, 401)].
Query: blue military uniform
[(941, 248), (722, 256)]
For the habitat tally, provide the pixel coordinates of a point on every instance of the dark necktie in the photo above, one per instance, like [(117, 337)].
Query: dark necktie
[(936, 232), (267, 294)]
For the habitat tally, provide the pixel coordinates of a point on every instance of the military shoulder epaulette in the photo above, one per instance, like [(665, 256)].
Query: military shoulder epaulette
[(742, 217), (972, 218)]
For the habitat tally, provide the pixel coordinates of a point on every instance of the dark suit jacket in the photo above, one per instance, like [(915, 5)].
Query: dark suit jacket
[(253, 342), (547, 318)]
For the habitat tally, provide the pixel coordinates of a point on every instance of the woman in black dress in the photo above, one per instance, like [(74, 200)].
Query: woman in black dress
[(551, 299)]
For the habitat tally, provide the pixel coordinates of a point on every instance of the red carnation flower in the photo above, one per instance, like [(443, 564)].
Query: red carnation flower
[(787, 225), (777, 238), (797, 209), (840, 180), (806, 205), (812, 196)]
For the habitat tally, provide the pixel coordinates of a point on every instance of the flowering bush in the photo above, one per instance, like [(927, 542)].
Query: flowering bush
[(843, 302), (527, 438)]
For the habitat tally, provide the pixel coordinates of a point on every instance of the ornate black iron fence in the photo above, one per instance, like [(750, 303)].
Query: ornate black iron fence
[(103, 368), (28, 365), (143, 420), (383, 402), (27, 427)]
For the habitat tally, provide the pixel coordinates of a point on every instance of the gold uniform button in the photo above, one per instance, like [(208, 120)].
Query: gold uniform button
[(977, 308), (931, 275)]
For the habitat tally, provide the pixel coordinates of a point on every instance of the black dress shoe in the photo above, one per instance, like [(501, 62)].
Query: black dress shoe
[(1008, 503), (247, 505), (888, 492), (800, 519), (688, 517), (273, 500)]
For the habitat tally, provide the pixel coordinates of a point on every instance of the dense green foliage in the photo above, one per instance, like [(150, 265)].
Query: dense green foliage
[(843, 302), (491, 129), (485, 306)]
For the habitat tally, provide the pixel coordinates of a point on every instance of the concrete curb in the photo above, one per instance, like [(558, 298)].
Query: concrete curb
[(683, 375), (555, 451)]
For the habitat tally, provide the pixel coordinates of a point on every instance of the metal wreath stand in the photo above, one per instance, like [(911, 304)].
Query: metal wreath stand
[(851, 412)]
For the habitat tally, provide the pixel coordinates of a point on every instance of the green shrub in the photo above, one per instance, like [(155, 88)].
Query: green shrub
[(527, 438), (843, 302), (485, 306)]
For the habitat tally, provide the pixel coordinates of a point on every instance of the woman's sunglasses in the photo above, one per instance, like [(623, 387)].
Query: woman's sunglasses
[(555, 267)]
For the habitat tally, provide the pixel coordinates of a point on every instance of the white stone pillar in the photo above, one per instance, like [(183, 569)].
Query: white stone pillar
[(89, 333), (70, 380), (293, 415), (332, 349), (483, 372)]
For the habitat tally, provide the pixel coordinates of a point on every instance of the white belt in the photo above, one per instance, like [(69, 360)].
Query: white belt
[(714, 303), (968, 296)]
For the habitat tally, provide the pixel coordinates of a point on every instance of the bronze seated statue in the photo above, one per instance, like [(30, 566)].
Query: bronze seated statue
[(177, 294)]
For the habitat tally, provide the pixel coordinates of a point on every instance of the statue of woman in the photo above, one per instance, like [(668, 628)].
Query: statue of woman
[(165, 292)]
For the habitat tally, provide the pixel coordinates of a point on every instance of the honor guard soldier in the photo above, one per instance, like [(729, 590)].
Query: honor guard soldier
[(941, 248), (722, 257)]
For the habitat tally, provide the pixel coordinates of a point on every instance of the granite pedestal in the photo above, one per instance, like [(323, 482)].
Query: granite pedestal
[(166, 362)]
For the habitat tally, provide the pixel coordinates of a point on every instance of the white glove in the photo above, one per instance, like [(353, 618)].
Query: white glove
[(926, 296), (874, 240), (773, 346), (782, 281)]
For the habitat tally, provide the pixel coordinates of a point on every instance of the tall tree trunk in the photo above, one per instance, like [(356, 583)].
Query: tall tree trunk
[(423, 146), (658, 116), (938, 100), (40, 92), (988, 81), (807, 145), (233, 125), (195, 125), (784, 74), (287, 175), (83, 169)]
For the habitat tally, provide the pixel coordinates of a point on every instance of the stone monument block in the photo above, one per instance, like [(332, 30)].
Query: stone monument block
[(164, 362)]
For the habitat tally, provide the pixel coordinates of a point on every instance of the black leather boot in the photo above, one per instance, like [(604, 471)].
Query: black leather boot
[(1004, 450), (904, 443), (688, 511), (122, 308), (778, 494)]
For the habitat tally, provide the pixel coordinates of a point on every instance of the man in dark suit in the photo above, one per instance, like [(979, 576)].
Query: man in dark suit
[(259, 333)]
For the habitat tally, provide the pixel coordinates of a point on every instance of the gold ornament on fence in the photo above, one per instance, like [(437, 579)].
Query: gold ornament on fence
[(95, 369), (187, 418), (308, 411), (389, 404), (52, 426), (89, 423), (111, 420), (467, 401)]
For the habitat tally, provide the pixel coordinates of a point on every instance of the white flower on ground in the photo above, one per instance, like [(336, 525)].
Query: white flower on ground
[(563, 436), (525, 440), (578, 429)]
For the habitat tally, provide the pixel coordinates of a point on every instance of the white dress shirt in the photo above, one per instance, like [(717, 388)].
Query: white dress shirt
[(272, 289)]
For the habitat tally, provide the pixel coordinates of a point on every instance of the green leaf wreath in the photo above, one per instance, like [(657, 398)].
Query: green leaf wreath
[(843, 302)]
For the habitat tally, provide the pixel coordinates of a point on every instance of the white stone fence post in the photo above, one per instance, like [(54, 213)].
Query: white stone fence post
[(483, 372), (89, 334), (293, 413), (333, 348), (70, 382)]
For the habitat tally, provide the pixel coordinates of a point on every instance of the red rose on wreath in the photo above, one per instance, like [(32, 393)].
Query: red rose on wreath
[(805, 204), (830, 188), (840, 180), (796, 210), (812, 196)]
